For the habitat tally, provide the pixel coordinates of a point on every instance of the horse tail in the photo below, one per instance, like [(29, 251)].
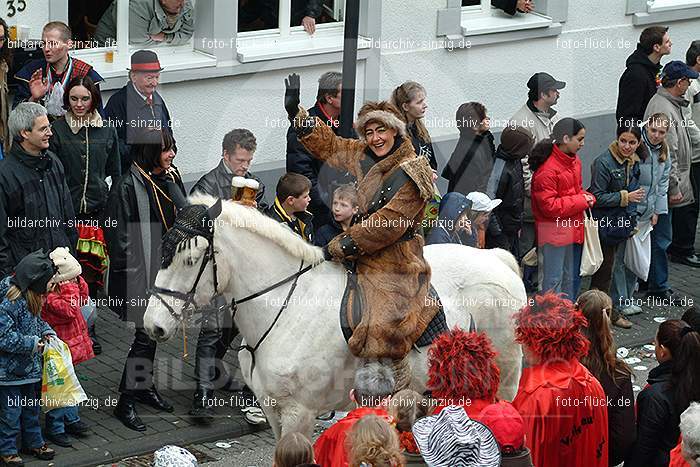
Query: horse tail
[(508, 259)]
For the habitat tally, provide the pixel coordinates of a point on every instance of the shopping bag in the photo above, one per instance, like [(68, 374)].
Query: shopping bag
[(638, 251), (592, 255), (59, 384)]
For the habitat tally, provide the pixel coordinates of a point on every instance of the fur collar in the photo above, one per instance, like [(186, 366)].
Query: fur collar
[(75, 125)]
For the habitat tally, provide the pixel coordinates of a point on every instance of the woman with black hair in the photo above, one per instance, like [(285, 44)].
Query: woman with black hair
[(558, 203), (154, 184), (5, 64), (615, 184), (671, 387), (89, 152)]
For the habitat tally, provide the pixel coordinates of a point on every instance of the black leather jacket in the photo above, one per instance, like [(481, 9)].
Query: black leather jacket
[(217, 183)]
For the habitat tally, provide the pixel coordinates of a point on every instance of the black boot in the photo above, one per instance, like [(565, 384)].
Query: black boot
[(201, 410), (125, 411), (96, 346), (152, 398)]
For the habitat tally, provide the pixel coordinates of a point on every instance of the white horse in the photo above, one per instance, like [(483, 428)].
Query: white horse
[(303, 367)]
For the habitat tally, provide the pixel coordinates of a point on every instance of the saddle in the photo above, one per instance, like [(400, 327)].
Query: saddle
[(351, 312)]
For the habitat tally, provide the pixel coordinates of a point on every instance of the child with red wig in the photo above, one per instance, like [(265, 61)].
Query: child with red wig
[(462, 371), (563, 405)]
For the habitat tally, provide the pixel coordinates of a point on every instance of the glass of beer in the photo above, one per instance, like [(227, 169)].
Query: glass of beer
[(244, 190)]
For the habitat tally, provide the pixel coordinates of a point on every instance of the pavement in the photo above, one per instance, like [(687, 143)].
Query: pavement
[(229, 440)]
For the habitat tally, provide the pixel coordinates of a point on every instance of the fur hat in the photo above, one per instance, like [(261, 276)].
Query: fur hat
[(382, 112), (68, 267), (551, 328)]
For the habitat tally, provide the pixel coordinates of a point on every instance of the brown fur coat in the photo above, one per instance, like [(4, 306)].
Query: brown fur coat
[(392, 274)]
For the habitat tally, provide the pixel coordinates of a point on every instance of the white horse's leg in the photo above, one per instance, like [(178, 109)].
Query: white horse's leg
[(296, 417), (274, 419)]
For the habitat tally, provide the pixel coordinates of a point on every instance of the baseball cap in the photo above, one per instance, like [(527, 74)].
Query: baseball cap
[(677, 70), (481, 202), (541, 82), (506, 424)]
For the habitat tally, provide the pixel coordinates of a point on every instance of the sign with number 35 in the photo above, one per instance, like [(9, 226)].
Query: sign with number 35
[(15, 6)]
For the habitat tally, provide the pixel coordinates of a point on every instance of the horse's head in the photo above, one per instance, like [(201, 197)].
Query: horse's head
[(187, 279)]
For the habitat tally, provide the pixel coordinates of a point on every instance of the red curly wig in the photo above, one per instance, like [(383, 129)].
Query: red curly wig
[(551, 328), (461, 366)]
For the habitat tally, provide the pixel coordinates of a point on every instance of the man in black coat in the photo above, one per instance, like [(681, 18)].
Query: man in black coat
[(137, 111), (215, 336), (36, 210), (324, 179), (238, 149), (638, 83)]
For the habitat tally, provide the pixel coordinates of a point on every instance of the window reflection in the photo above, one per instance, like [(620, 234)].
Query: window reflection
[(151, 23), (83, 16)]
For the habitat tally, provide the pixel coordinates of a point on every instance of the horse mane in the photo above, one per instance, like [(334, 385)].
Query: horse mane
[(233, 214)]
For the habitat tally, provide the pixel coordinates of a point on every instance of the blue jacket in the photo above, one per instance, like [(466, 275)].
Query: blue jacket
[(20, 332), (654, 177), (452, 207)]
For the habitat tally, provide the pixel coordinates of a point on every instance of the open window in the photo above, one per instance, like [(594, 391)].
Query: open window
[(481, 17), (649, 12)]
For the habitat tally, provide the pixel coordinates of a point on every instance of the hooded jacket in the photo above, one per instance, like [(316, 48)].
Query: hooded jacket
[(637, 86), (558, 200), (20, 333), (653, 177), (657, 421), (452, 206), (678, 141), (558, 433), (36, 210), (62, 312)]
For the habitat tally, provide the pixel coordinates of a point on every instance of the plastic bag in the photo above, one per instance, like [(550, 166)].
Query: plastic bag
[(59, 384), (638, 251), (592, 256)]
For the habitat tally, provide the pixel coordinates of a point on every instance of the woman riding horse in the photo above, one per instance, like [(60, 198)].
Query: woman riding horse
[(384, 244)]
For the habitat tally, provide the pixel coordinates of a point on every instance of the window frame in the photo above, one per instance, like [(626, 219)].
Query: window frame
[(645, 14), (453, 22)]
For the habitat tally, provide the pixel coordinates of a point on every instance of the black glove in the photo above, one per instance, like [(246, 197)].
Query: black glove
[(291, 95)]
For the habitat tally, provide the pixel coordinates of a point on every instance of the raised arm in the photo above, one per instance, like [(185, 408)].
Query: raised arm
[(321, 142)]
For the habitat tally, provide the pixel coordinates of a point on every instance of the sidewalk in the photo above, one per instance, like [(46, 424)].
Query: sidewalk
[(110, 441)]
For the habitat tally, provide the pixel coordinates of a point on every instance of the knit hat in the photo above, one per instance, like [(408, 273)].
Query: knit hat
[(517, 141), (68, 267), (506, 424), (452, 438), (34, 272), (379, 112)]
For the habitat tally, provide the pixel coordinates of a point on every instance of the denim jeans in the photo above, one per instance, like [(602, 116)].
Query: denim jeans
[(57, 419), (660, 240), (624, 281), (20, 413), (560, 269)]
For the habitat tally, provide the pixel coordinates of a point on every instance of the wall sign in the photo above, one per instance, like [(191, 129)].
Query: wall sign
[(15, 6)]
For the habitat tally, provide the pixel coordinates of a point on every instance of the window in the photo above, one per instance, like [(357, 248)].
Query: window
[(667, 5), (649, 12), (486, 21), (270, 29), (114, 29)]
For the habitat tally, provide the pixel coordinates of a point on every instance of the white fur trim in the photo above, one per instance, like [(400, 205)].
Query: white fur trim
[(240, 182), (387, 118)]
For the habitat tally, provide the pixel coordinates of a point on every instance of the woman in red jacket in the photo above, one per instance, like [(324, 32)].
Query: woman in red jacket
[(62, 312), (558, 203)]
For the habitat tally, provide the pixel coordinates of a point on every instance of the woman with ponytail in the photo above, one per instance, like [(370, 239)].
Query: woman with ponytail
[(409, 98), (672, 386), (612, 373), (558, 203)]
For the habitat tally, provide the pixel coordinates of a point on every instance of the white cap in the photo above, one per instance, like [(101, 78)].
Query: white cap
[(481, 202)]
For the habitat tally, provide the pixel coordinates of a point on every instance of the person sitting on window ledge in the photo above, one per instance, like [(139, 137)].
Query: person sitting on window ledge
[(508, 6), (44, 80), (151, 22)]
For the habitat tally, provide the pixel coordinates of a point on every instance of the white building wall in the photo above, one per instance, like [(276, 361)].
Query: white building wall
[(205, 109)]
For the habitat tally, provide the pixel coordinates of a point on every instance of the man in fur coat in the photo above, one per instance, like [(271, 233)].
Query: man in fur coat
[(387, 308)]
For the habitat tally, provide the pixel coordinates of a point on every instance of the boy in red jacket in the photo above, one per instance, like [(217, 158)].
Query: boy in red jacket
[(62, 312)]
